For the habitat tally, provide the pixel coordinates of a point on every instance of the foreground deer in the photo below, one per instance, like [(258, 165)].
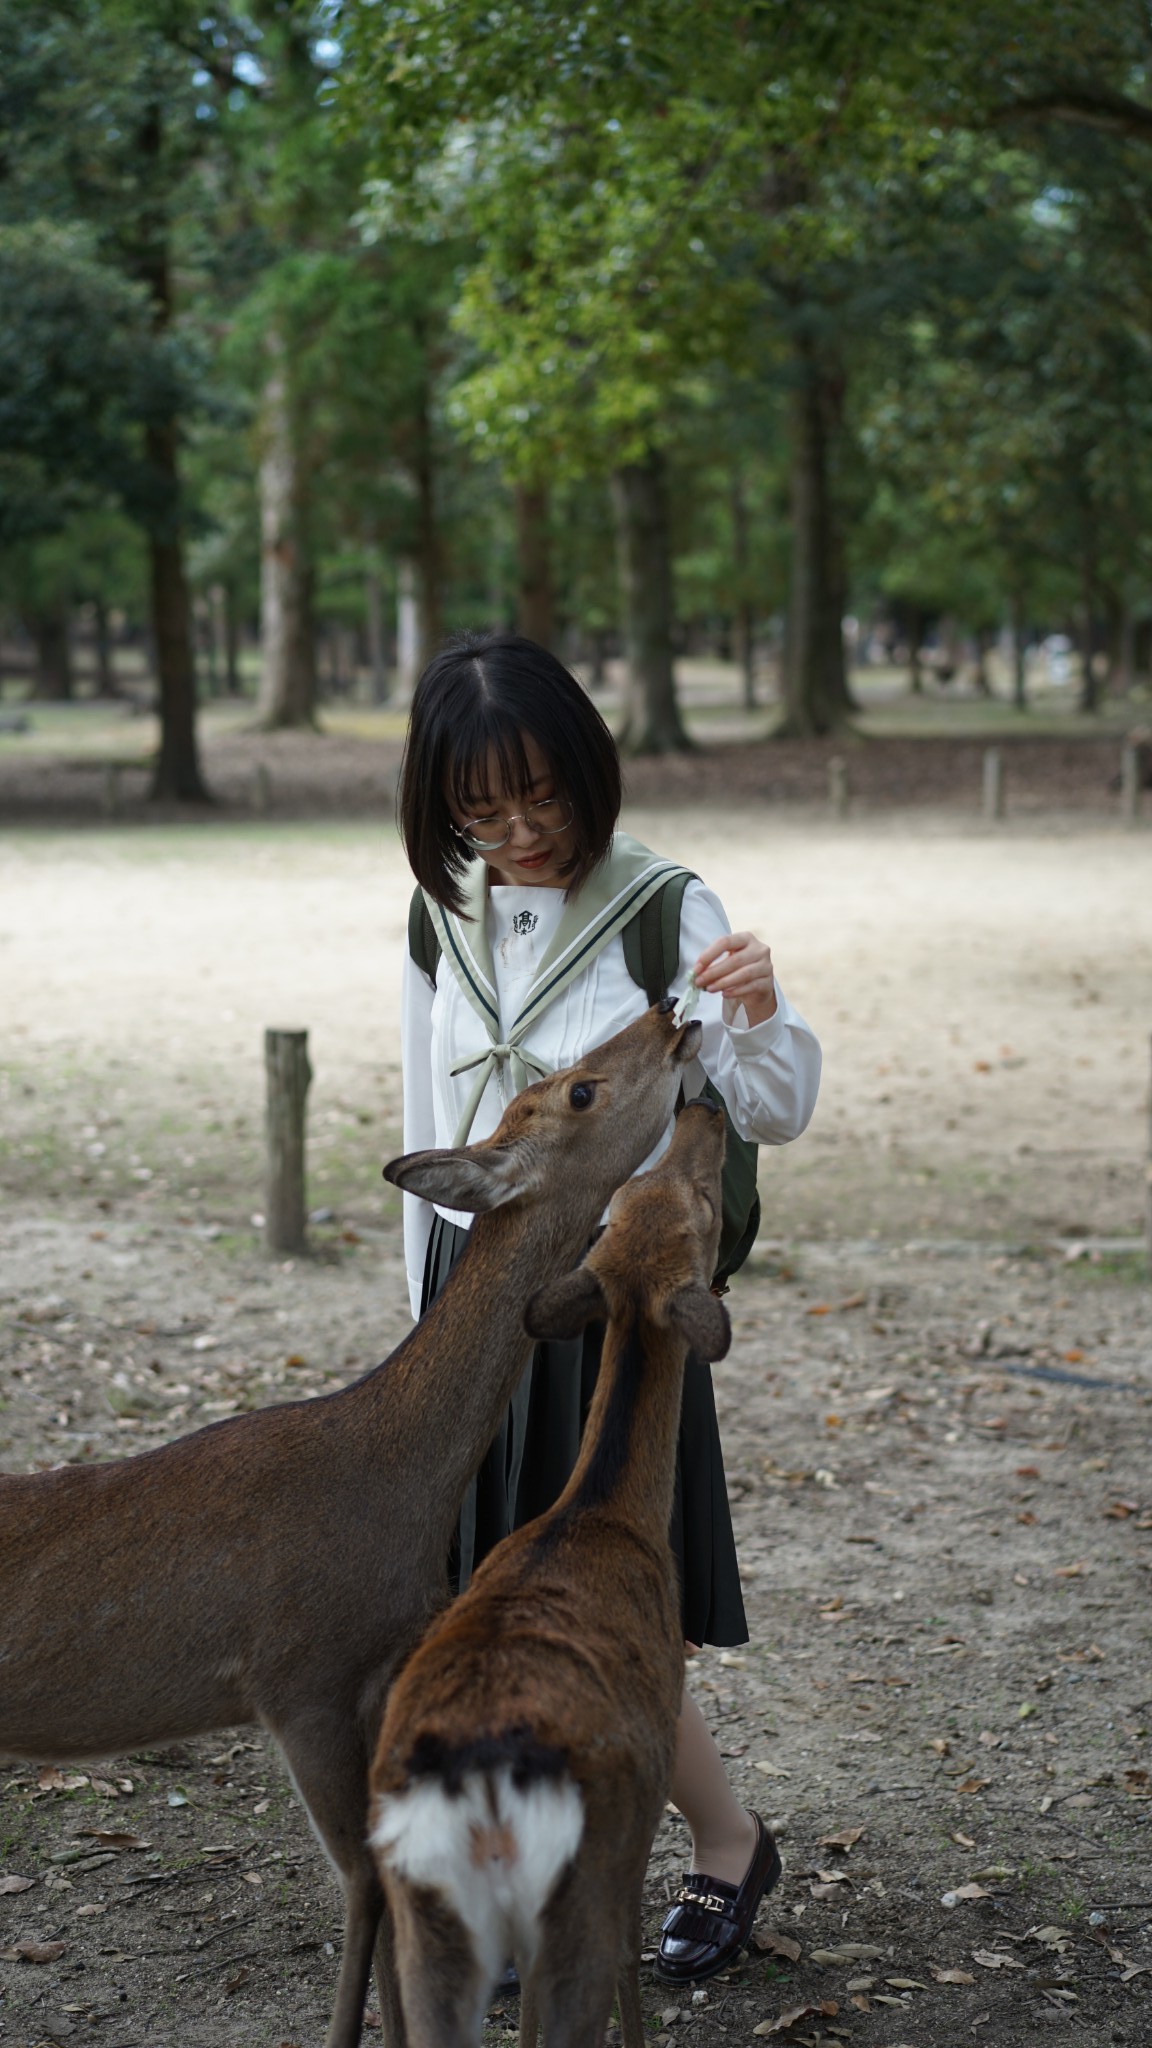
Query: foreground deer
[(273, 1567), (527, 1746)]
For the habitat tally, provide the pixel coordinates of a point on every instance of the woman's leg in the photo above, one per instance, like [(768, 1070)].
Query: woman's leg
[(724, 1834)]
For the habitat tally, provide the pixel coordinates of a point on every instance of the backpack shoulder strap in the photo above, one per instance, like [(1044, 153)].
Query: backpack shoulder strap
[(651, 939), (423, 944)]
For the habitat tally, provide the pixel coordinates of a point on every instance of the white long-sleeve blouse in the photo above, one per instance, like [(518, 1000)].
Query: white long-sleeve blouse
[(768, 1074)]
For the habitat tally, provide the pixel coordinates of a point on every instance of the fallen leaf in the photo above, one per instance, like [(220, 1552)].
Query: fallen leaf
[(989, 1740), (40, 1951), (996, 1873), (105, 1788), (1051, 1937), (861, 2003), (826, 2010), (844, 1840), (994, 1959), (819, 1308), (235, 1982), (771, 1770), (829, 1889), (1120, 1510), (951, 1976), (848, 1952), (89, 1912), (777, 1945), (964, 1891), (1135, 1970), (1073, 1357), (52, 1780), (1027, 1472), (905, 1984), (8, 1885), (113, 1838), (882, 1998), (973, 1784), (941, 1746), (1072, 1571), (965, 1841), (860, 1984)]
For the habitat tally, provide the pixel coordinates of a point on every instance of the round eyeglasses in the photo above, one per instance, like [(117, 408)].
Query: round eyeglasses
[(549, 815)]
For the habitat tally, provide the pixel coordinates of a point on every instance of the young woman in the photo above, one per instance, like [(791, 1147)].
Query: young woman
[(509, 797)]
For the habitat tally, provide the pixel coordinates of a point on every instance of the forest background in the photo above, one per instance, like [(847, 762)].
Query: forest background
[(650, 328)]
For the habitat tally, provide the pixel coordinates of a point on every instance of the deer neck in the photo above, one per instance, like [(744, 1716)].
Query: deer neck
[(445, 1391), (627, 1461)]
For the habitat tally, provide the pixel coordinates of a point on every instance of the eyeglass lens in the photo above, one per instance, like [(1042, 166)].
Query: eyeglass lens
[(550, 815)]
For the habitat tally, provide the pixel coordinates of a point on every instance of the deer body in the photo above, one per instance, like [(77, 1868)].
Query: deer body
[(528, 1744), (272, 1568)]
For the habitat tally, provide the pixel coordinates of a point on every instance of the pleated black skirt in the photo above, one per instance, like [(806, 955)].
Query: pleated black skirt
[(527, 1466)]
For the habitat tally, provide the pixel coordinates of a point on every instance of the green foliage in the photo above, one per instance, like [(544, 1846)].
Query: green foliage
[(80, 372)]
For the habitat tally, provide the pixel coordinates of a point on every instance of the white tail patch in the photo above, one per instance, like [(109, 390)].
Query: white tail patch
[(494, 1851)]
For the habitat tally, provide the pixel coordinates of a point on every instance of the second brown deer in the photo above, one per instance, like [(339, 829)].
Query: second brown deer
[(527, 1746), (274, 1567)]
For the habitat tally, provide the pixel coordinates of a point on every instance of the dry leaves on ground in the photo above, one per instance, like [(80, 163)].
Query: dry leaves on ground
[(826, 2010)]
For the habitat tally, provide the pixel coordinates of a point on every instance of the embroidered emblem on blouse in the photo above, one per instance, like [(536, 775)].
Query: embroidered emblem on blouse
[(525, 921)]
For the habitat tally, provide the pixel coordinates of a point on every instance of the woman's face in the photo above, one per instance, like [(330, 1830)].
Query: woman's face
[(529, 857)]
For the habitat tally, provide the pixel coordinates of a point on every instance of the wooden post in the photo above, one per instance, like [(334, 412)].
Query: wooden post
[(288, 1075), (261, 789), (838, 792), (993, 783), (1130, 765), (110, 795)]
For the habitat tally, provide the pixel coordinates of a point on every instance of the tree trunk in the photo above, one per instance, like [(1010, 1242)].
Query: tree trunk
[(408, 662), (428, 562), (1089, 700), (52, 640), (106, 684), (287, 579), (535, 608), (374, 616), (652, 723), (816, 697), (1019, 654), (177, 771), (231, 641), (745, 616), (980, 680)]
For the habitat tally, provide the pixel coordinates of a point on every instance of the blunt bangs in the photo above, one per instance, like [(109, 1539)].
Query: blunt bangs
[(476, 702)]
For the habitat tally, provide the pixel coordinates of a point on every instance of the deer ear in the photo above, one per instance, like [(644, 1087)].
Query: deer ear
[(475, 1178), (700, 1317), (565, 1306)]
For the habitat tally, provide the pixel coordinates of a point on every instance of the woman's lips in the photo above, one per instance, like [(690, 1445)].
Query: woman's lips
[(534, 860)]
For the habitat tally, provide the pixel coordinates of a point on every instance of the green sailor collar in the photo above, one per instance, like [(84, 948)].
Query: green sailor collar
[(606, 902)]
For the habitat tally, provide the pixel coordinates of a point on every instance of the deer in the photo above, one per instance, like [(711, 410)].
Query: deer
[(274, 1568), (527, 1745)]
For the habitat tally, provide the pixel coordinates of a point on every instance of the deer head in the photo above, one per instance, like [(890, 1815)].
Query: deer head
[(587, 1127), (659, 1247)]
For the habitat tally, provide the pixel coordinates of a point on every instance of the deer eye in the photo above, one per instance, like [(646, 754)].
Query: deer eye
[(581, 1094)]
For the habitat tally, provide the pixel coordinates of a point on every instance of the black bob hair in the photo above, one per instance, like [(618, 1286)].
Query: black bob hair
[(475, 702)]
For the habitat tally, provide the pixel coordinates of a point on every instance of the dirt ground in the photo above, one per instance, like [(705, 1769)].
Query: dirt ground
[(935, 1410)]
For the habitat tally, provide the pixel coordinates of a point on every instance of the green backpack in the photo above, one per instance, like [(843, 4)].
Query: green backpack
[(652, 955)]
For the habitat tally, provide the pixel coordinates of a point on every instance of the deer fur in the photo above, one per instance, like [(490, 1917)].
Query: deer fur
[(527, 1745), (274, 1567)]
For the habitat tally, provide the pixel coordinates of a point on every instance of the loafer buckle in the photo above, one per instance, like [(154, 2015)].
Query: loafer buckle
[(709, 1900)]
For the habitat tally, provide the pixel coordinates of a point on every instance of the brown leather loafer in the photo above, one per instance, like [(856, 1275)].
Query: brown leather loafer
[(711, 1921)]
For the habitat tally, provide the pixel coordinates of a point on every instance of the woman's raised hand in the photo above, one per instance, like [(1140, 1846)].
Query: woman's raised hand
[(739, 968)]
